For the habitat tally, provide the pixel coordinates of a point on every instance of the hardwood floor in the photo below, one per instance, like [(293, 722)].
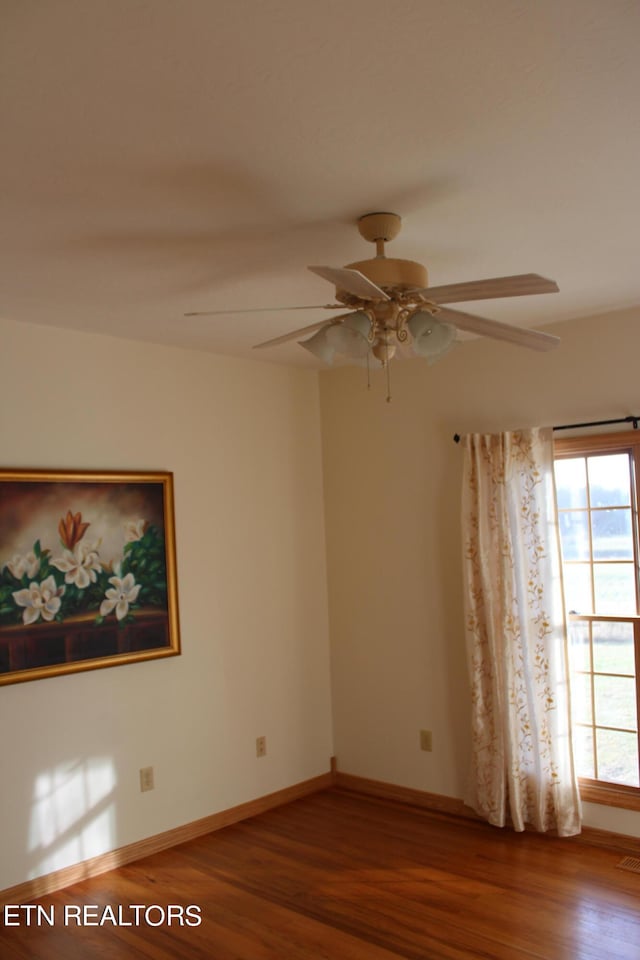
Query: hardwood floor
[(345, 877)]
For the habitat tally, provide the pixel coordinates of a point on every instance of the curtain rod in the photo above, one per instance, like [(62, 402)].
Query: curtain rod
[(576, 426)]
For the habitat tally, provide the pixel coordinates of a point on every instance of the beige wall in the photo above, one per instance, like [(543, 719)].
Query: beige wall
[(243, 441), (392, 491)]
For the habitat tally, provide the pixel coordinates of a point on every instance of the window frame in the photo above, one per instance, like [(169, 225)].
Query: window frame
[(628, 442)]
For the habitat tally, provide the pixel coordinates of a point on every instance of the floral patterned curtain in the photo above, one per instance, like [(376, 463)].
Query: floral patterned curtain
[(522, 759)]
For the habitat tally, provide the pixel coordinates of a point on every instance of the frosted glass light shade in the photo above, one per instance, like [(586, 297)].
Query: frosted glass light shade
[(319, 345), (431, 338), (360, 321), (351, 337)]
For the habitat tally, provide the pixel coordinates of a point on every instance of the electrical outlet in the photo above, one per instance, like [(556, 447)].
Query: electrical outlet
[(261, 746), (426, 740), (146, 779)]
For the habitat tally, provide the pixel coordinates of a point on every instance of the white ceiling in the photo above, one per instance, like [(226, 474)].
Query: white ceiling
[(161, 156)]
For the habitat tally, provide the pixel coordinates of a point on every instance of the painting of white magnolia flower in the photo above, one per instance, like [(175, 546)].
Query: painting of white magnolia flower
[(39, 600), (19, 566), (87, 571), (134, 529), (123, 592), (80, 566)]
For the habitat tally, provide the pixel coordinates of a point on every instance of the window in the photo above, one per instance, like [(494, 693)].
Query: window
[(597, 497)]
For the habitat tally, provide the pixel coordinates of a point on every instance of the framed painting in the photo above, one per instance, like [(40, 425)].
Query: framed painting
[(87, 571)]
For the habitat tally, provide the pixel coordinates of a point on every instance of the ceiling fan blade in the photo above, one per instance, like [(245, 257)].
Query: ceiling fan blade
[(352, 281), (523, 337), (521, 285), (315, 306), (293, 334)]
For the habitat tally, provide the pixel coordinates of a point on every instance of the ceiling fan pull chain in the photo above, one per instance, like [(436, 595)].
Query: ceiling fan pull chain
[(368, 369), (388, 366)]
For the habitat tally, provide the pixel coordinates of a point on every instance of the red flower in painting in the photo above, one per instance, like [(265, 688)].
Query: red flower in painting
[(72, 529)]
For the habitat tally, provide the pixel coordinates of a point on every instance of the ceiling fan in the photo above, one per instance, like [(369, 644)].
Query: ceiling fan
[(390, 304)]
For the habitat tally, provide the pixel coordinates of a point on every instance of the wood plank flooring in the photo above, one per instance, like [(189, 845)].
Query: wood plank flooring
[(344, 877)]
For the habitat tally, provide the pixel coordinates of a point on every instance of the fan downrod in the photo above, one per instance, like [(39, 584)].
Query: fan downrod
[(393, 275)]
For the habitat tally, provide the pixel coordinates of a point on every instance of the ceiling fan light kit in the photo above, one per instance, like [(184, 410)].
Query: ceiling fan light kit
[(319, 346), (431, 338), (390, 303), (353, 336)]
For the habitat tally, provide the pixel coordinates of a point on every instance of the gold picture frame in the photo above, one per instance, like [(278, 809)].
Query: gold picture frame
[(87, 571)]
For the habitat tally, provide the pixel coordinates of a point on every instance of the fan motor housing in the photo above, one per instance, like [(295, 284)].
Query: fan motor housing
[(390, 273)]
